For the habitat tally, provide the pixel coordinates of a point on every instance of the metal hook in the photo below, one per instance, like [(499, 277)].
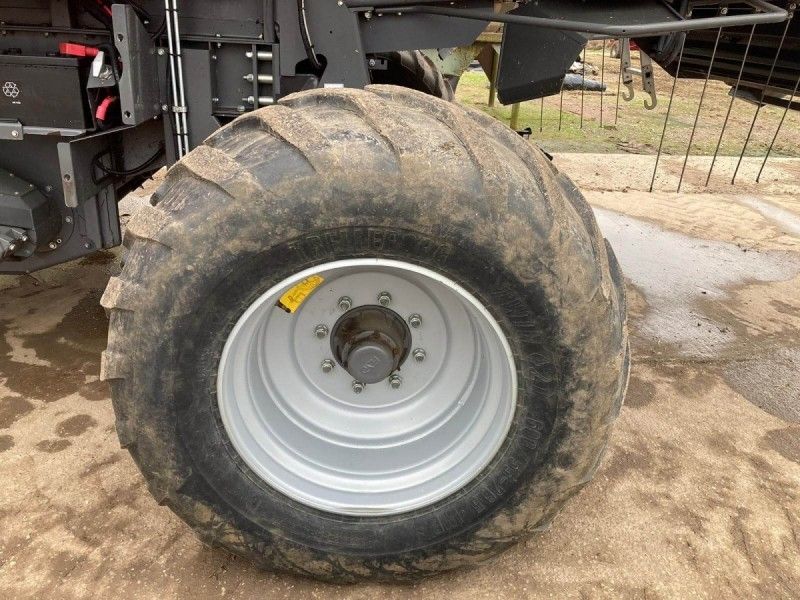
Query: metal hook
[(625, 69), (648, 81), (630, 94)]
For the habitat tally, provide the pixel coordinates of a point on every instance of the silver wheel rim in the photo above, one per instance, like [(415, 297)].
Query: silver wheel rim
[(389, 449)]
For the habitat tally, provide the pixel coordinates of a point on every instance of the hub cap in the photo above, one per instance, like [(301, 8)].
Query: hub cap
[(370, 342), (418, 430)]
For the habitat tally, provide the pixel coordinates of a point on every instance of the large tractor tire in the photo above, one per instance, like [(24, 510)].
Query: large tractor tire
[(366, 334), (413, 70)]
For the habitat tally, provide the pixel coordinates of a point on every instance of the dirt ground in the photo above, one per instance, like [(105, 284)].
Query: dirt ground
[(698, 496)]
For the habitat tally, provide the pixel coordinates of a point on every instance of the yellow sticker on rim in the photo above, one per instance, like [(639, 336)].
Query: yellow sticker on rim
[(292, 299)]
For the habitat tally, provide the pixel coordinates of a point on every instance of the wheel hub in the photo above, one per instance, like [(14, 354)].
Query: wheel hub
[(370, 342), (298, 397)]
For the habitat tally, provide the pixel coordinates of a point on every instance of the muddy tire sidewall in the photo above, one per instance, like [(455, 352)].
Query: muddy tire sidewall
[(262, 510)]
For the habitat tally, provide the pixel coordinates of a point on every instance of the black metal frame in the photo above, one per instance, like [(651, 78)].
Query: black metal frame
[(83, 171), (769, 13)]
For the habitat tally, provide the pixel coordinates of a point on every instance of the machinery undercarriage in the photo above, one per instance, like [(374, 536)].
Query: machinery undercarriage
[(98, 95)]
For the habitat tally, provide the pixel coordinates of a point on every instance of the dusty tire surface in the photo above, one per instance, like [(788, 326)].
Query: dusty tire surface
[(414, 70), (387, 172)]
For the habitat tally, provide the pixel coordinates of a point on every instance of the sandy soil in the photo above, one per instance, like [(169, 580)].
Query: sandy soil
[(698, 496)]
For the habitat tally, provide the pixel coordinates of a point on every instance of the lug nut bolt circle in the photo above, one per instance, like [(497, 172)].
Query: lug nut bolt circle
[(384, 299), (345, 303)]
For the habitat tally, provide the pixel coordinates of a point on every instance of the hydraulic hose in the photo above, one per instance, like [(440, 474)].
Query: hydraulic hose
[(306, 36)]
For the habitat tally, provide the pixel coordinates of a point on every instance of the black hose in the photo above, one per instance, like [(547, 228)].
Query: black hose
[(306, 36), (97, 163)]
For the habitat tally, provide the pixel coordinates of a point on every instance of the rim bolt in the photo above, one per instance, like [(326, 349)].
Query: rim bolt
[(327, 365), (415, 321), (395, 381), (345, 303), (358, 387), (419, 354), (384, 299), (320, 331)]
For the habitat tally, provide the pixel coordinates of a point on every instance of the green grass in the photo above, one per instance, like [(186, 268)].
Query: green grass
[(636, 129)]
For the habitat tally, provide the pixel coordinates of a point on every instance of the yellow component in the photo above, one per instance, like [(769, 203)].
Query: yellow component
[(292, 299)]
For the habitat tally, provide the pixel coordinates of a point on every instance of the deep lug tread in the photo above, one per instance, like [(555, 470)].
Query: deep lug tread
[(411, 68), (293, 129)]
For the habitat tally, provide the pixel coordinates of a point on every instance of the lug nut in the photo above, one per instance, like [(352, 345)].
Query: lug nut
[(415, 321), (320, 331), (358, 387), (395, 381), (327, 365), (345, 303), (384, 299), (419, 355)]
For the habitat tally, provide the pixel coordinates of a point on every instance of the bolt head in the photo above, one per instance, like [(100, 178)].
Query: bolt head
[(415, 321), (15, 133), (68, 219), (327, 365), (395, 381), (384, 299), (52, 245), (345, 303), (321, 331), (419, 354), (358, 387)]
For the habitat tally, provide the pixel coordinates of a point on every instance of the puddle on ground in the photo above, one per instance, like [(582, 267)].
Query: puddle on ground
[(56, 360), (675, 271)]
